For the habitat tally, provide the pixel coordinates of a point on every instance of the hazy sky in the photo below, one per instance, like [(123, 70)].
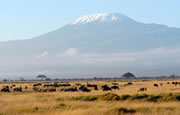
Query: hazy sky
[(22, 19)]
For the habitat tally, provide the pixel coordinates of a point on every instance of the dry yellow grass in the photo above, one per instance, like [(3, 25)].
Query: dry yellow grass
[(60, 103)]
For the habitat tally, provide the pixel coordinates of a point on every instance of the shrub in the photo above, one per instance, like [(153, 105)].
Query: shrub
[(135, 97), (109, 97), (85, 98), (153, 98), (124, 97), (144, 97)]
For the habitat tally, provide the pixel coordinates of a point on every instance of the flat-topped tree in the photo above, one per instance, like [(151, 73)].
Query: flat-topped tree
[(41, 77), (128, 75)]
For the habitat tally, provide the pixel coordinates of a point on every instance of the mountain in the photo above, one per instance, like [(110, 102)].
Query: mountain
[(102, 33), (105, 44)]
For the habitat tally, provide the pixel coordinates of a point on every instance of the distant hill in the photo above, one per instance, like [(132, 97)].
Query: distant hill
[(128, 75)]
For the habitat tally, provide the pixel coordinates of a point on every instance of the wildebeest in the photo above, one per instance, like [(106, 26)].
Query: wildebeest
[(18, 89), (65, 85), (161, 84), (13, 85), (56, 85), (5, 89), (155, 85), (175, 83), (93, 85), (167, 83), (47, 85), (143, 89), (84, 89), (114, 83), (114, 87), (25, 87), (77, 84), (37, 84), (51, 90), (5, 86), (69, 89), (129, 83), (42, 90), (105, 88), (35, 89)]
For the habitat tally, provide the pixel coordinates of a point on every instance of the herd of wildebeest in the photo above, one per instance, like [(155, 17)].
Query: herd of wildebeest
[(67, 87)]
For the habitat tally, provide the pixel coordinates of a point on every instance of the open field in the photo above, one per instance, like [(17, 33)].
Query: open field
[(161, 100)]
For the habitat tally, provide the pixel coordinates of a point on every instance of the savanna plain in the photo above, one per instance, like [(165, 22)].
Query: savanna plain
[(137, 97)]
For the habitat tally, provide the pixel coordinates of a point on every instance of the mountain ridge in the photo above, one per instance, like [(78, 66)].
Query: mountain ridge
[(100, 17), (105, 37), (102, 47)]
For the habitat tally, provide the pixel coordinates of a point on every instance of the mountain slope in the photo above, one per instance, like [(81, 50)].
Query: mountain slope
[(95, 45), (104, 33)]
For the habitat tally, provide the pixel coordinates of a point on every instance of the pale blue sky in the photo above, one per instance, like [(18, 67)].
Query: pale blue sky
[(22, 19)]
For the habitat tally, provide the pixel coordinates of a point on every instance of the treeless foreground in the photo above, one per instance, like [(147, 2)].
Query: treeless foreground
[(128, 99)]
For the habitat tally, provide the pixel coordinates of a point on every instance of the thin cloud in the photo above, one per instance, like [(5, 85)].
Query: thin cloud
[(42, 55)]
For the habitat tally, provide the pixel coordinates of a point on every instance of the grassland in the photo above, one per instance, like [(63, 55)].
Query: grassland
[(162, 100)]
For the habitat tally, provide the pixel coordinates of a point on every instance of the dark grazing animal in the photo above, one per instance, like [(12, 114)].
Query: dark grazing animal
[(13, 85), (114, 83), (69, 89), (5, 86), (143, 89), (77, 84), (52, 85), (37, 84), (93, 85), (155, 85), (175, 83), (47, 85), (18, 89), (65, 85), (25, 87), (84, 89), (42, 90), (51, 90), (105, 88), (35, 89), (114, 87), (129, 83), (5, 89)]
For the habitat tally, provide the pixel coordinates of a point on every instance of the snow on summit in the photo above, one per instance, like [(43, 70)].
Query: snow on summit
[(101, 17)]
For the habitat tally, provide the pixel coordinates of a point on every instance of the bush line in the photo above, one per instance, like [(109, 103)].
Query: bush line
[(143, 97)]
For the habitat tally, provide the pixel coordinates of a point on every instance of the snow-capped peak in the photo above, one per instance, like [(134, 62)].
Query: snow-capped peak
[(102, 17)]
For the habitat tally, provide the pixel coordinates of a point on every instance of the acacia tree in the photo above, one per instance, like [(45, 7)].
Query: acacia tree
[(42, 77)]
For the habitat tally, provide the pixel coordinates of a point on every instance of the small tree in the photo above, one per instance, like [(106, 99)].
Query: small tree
[(22, 79), (5, 80), (48, 79), (128, 75), (42, 77)]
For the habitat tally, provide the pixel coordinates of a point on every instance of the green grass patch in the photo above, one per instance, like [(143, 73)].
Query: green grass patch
[(107, 97), (142, 97)]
